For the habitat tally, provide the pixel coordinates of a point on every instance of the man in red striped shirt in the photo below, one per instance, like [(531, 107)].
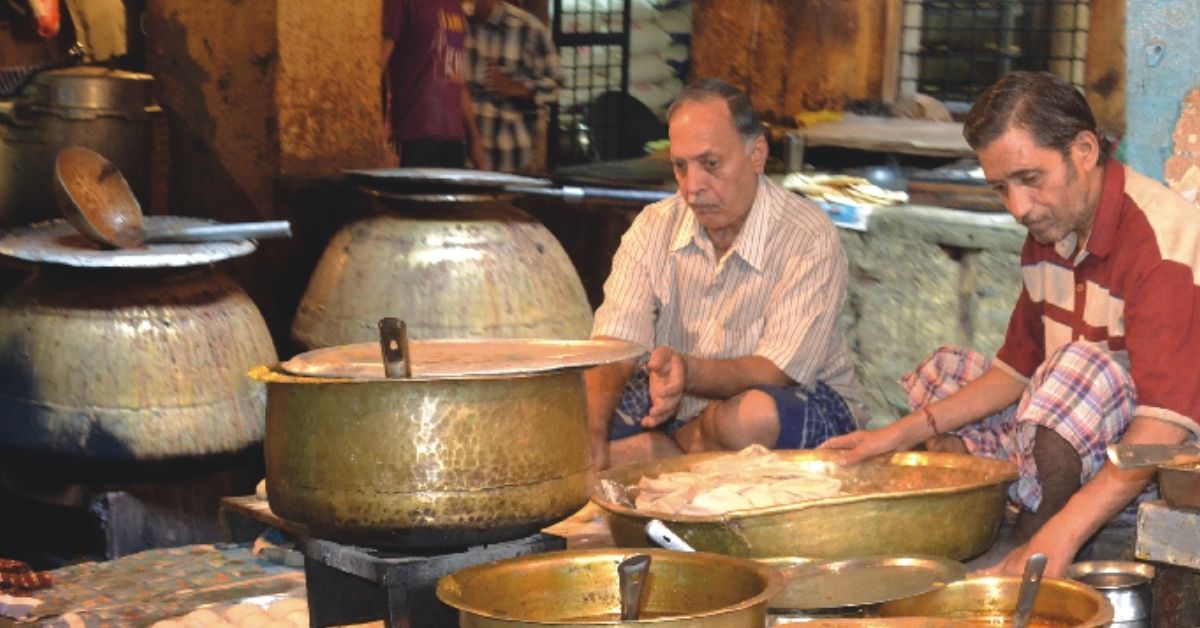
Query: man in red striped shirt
[(1101, 345)]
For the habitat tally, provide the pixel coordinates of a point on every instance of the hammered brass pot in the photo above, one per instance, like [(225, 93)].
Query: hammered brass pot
[(935, 504), (415, 463), (450, 266), (580, 588), (130, 365)]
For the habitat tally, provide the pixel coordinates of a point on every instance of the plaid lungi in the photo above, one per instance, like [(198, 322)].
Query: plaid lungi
[(1080, 392)]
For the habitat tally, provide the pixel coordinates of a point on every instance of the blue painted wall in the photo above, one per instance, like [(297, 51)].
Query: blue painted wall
[(1163, 63)]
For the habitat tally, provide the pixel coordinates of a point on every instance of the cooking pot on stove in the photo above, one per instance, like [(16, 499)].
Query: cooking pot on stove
[(486, 441)]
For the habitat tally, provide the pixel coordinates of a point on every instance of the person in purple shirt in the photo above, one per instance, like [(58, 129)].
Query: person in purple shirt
[(427, 108)]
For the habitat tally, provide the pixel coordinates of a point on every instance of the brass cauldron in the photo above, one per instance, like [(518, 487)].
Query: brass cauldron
[(895, 505), (991, 602), (442, 459), (450, 265), (130, 365), (580, 588)]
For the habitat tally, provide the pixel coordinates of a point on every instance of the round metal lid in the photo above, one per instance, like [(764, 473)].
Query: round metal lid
[(831, 584), (442, 178), (463, 358), (91, 88), (57, 242)]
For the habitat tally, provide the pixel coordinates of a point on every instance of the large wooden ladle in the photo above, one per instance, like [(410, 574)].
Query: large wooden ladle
[(95, 198)]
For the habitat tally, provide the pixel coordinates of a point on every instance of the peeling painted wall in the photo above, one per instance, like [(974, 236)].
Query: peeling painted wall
[(1163, 66)]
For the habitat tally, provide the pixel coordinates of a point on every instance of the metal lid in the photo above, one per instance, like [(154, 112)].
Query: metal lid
[(88, 91), (464, 358), (831, 584), (57, 242), (440, 178)]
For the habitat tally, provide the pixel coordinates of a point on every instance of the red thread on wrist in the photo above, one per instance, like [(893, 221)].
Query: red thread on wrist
[(931, 421)]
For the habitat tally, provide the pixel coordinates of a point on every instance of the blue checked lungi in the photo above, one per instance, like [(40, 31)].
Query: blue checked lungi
[(806, 418), (1080, 392)]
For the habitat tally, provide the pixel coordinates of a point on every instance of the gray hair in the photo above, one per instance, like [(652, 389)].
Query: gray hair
[(745, 120)]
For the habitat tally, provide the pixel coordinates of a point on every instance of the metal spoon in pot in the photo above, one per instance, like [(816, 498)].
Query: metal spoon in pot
[(631, 576), (96, 199), (1030, 582), (662, 535)]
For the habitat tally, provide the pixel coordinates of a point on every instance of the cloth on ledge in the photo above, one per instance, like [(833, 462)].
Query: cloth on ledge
[(142, 588)]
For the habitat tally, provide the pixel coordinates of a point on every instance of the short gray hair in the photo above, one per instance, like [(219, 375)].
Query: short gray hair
[(745, 120)]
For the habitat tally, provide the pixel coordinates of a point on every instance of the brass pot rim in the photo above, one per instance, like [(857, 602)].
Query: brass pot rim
[(1102, 617), (995, 472), (272, 374), (772, 576)]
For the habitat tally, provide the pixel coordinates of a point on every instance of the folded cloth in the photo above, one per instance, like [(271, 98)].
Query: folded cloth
[(17, 607), (17, 577)]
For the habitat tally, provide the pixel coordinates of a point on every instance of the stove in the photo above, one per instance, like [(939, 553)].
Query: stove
[(350, 584)]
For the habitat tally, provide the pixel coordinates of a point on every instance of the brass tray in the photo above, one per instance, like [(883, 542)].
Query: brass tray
[(908, 503)]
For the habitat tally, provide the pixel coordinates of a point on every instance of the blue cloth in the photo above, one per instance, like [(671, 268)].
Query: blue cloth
[(806, 419)]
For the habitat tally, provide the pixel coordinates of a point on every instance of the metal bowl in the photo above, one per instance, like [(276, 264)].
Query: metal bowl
[(898, 504), (1180, 485), (580, 588), (1125, 583), (991, 602)]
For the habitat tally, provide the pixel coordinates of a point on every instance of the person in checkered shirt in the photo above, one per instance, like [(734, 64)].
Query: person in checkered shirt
[(513, 72)]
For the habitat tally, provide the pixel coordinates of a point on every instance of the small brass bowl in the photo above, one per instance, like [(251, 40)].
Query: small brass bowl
[(992, 600)]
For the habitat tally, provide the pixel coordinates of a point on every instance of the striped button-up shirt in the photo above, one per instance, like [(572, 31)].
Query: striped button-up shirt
[(520, 44), (777, 293)]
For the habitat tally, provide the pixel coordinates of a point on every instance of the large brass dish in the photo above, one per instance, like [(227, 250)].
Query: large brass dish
[(937, 504), (580, 588), (991, 602), (425, 462)]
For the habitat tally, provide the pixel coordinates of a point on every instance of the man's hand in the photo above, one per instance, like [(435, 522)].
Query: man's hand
[(862, 444), (668, 377), (1059, 556), (497, 81)]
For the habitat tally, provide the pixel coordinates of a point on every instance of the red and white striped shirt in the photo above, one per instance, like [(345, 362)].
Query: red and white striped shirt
[(1134, 288), (777, 293)]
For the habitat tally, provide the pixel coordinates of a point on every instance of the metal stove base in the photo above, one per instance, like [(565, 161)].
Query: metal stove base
[(348, 584)]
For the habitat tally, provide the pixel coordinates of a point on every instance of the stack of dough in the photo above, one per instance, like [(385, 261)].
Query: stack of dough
[(752, 478), (283, 613)]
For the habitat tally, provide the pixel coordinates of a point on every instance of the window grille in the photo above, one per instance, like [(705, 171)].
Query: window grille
[(954, 49)]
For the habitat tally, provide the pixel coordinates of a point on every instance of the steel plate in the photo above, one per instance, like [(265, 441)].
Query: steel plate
[(440, 177), (463, 358), (863, 581), (57, 242)]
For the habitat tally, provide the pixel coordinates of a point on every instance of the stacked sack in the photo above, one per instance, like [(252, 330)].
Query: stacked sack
[(658, 65), (658, 45)]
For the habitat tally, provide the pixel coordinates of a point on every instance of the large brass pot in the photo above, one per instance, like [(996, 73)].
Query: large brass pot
[(425, 462), (450, 266), (130, 365), (580, 588), (908, 503), (991, 601)]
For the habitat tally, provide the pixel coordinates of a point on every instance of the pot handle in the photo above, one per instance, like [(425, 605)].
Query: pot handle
[(393, 341)]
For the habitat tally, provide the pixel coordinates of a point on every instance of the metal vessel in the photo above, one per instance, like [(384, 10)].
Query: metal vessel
[(110, 111), (898, 504), (136, 355), (452, 265), (487, 441)]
